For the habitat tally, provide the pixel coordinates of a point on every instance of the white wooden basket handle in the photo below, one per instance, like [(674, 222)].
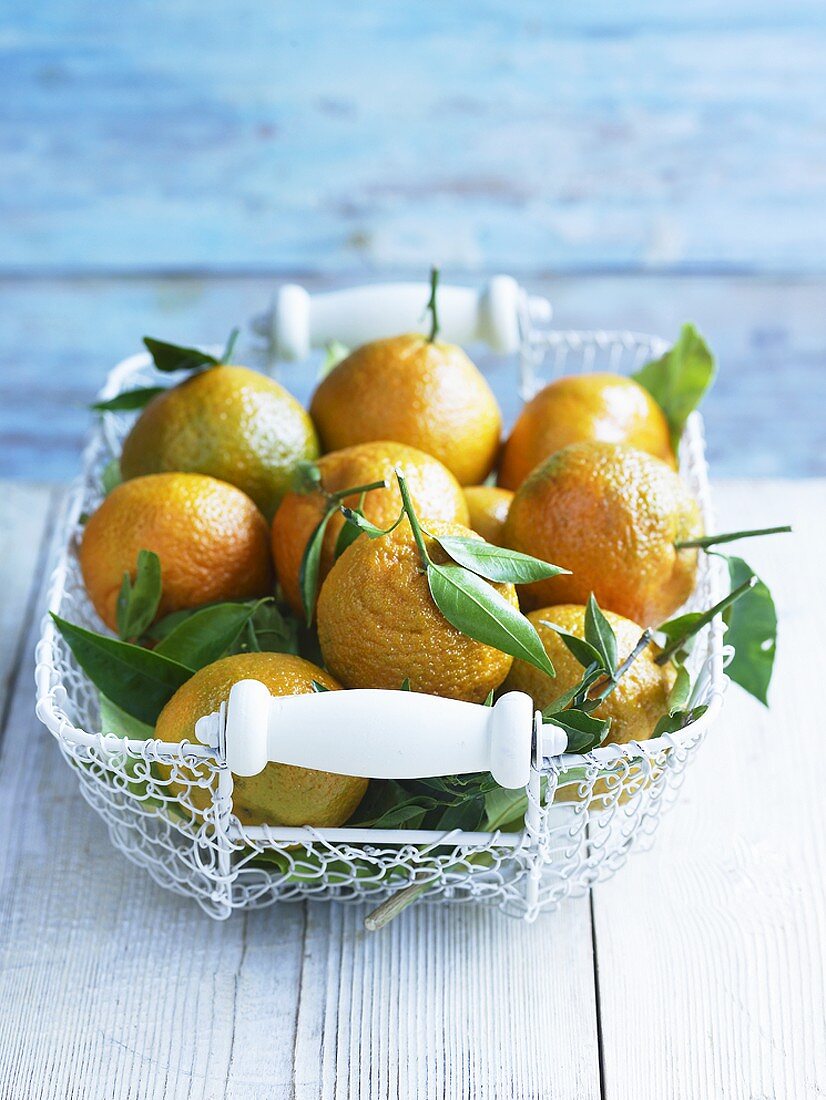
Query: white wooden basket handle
[(299, 321), (373, 733)]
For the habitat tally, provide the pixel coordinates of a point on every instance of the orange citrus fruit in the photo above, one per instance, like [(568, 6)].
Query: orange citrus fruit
[(612, 515), (211, 540), (606, 408), (639, 700), (229, 422), (378, 625), (435, 492), (281, 794), (488, 508), (428, 395)]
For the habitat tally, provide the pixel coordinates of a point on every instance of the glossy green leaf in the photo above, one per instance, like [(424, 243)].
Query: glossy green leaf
[(575, 694), (129, 400), (207, 634), (679, 379), (139, 599), (584, 652), (310, 566), (680, 692), (504, 809), (346, 537), (752, 630), (671, 723), (319, 688), (111, 476), (600, 634), (475, 608), (496, 563), (363, 525), (584, 731), (173, 357), (137, 680)]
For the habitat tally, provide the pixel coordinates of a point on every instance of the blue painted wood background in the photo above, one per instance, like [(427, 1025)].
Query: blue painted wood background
[(164, 163)]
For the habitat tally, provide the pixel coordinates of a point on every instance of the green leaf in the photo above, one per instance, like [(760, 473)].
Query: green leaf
[(679, 379), (334, 352), (137, 680), (310, 566), (680, 692), (504, 808), (111, 476), (678, 628), (318, 687), (496, 563), (488, 699), (272, 631), (172, 357), (672, 723), (599, 634), (115, 720), (405, 684), (207, 634), (346, 537), (475, 608), (129, 400), (362, 524), (138, 601), (752, 630), (584, 652), (584, 731), (575, 694)]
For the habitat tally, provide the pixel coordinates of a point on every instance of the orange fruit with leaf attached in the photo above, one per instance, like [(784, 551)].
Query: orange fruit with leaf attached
[(428, 395), (579, 408), (212, 542), (488, 508), (229, 422), (612, 515), (435, 492), (640, 698), (280, 794), (378, 625)]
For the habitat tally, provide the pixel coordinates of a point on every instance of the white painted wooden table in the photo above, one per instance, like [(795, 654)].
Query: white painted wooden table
[(697, 973)]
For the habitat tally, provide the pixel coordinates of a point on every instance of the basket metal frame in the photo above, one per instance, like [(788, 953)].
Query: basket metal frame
[(583, 815)]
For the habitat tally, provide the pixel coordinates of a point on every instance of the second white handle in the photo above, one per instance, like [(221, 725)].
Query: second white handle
[(300, 321)]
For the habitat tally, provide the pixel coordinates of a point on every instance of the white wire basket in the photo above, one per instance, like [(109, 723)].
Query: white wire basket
[(169, 808)]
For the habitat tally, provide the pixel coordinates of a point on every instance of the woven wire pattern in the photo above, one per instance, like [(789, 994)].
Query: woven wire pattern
[(169, 808)]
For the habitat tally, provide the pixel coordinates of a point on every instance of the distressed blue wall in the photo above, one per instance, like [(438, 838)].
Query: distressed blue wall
[(331, 137), (644, 162)]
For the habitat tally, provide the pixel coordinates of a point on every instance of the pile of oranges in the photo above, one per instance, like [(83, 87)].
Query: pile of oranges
[(228, 480)]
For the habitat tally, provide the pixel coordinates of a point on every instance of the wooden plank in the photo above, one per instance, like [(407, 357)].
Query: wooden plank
[(23, 513), (111, 987), (60, 338), (712, 948), (546, 137)]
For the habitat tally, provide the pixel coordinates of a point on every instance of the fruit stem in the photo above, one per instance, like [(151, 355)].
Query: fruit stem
[(340, 494), (611, 682), (674, 645), (407, 504), (394, 905), (230, 346), (431, 305), (732, 536)]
